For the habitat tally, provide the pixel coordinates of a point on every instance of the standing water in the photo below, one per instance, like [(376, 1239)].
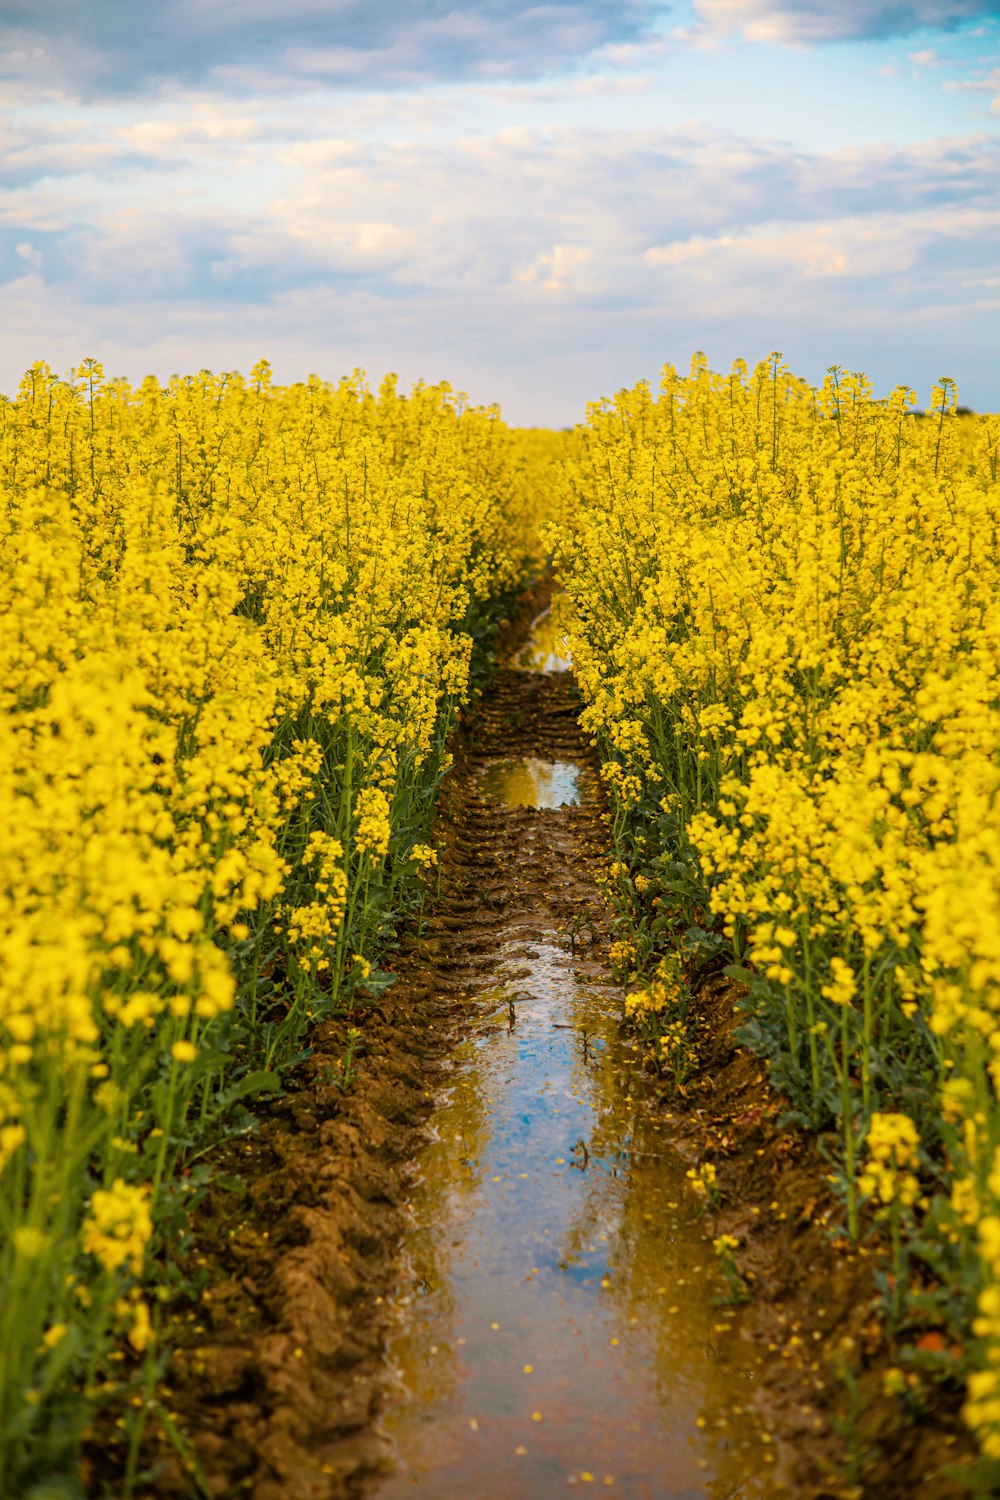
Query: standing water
[(546, 649), (532, 782), (561, 1322)]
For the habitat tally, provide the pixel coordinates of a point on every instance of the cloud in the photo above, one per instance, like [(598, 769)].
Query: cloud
[(537, 266), (35, 149), (118, 47), (582, 213), (853, 251), (926, 58), (501, 201), (982, 83), (807, 22)]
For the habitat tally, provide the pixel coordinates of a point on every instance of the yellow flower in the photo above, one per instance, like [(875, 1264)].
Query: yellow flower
[(892, 1150), (119, 1226), (842, 987)]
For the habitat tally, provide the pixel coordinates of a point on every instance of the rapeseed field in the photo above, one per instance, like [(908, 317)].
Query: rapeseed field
[(238, 622), (783, 608)]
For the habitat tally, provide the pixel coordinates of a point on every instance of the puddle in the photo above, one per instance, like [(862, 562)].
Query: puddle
[(562, 1325), (546, 650), (531, 782)]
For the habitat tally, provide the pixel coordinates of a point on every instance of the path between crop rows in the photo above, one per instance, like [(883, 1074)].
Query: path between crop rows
[(557, 1319)]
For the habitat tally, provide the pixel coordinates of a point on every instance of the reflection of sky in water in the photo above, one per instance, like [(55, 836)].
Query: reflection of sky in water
[(554, 1228), (546, 650), (532, 782)]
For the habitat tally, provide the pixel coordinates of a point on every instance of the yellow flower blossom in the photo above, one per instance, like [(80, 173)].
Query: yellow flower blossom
[(801, 677), (119, 1226)]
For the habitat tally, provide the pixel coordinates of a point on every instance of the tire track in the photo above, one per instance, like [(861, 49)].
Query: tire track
[(278, 1371)]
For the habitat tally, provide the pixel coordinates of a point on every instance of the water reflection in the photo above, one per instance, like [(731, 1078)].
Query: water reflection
[(546, 650), (531, 782), (563, 1326)]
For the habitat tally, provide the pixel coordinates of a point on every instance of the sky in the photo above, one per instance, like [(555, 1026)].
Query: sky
[(538, 202)]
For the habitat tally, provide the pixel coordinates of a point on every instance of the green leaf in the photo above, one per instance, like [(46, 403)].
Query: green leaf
[(57, 1487), (208, 1061), (261, 1081), (377, 983), (739, 975), (230, 1183)]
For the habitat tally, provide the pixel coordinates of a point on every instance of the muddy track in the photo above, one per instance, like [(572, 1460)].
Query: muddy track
[(279, 1371)]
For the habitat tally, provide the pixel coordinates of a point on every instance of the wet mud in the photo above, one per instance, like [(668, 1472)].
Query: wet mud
[(560, 1319), (481, 1272), (816, 1301)]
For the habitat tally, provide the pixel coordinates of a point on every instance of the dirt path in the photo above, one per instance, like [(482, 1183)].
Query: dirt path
[(281, 1371), (561, 1321), (280, 1368), (481, 1272)]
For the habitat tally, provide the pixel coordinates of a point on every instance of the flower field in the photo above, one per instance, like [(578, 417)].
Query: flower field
[(238, 623), (235, 624), (783, 607)]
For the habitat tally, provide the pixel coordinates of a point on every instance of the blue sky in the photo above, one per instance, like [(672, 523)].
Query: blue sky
[(539, 202)]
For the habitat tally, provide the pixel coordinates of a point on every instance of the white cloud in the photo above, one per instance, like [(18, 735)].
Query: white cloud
[(540, 267), (563, 268), (36, 148), (790, 256), (808, 22), (984, 83), (119, 48)]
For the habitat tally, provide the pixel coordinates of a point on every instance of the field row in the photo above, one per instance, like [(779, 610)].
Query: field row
[(783, 607), (236, 622)]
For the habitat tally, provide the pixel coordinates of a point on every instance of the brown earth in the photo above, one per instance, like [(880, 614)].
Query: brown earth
[(278, 1370), (814, 1300)]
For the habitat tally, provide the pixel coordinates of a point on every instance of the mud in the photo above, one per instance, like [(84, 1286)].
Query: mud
[(815, 1299), (280, 1377), (561, 1320)]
